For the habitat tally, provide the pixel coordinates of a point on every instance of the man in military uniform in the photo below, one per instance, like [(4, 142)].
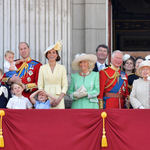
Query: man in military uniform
[(27, 71), (113, 84)]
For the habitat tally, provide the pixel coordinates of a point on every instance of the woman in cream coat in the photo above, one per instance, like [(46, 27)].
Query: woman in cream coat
[(140, 94), (53, 77)]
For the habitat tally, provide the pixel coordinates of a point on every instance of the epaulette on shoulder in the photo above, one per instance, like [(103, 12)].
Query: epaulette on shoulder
[(130, 74), (105, 68), (35, 61)]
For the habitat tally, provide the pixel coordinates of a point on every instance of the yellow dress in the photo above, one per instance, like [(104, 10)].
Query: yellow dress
[(54, 82)]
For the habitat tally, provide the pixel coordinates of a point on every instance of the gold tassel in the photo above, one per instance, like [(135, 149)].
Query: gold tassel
[(104, 139), (24, 65), (2, 113)]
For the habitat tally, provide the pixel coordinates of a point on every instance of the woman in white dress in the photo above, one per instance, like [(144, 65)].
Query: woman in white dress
[(140, 94)]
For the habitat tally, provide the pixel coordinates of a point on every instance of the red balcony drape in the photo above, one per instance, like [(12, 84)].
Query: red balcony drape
[(75, 129)]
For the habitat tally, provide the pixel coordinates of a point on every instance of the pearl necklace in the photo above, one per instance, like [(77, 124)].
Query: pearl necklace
[(85, 74)]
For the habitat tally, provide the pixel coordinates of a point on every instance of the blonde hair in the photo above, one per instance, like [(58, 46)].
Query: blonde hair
[(9, 52), (91, 65), (18, 83)]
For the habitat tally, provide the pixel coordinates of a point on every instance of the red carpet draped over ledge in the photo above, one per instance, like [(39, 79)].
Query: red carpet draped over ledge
[(76, 129)]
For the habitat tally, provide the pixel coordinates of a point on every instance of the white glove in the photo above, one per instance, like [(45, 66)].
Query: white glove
[(75, 94), (81, 92), (83, 89), (4, 90), (141, 107)]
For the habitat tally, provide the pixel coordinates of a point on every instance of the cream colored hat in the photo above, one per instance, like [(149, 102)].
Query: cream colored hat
[(83, 56), (57, 47), (126, 57), (145, 63), (147, 57)]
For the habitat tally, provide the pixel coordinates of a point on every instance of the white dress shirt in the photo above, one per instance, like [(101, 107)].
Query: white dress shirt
[(19, 103)]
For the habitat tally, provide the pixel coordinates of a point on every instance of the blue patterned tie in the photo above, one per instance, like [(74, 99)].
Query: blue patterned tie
[(101, 67)]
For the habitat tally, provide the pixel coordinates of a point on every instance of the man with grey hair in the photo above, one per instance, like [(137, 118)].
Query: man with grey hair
[(113, 84)]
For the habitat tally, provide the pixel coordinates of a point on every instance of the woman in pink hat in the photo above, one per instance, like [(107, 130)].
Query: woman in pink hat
[(84, 87), (53, 77)]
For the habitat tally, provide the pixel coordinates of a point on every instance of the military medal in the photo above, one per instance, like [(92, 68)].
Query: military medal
[(28, 79), (123, 76), (32, 67), (124, 83), (30, 72), (123, 89)]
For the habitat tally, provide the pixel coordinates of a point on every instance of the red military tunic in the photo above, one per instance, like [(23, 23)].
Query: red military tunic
[(113, 87), (28, 72)]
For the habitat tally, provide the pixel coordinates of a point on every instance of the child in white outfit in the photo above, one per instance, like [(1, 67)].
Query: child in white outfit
[(10, 64), (18, 101)]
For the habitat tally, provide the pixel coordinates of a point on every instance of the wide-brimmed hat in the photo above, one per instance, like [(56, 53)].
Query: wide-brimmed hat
[(79, 57), (145, 63), (57, 46)]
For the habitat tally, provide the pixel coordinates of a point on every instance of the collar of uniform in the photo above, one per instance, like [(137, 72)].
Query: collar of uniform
[(28, 59), (114, 68)]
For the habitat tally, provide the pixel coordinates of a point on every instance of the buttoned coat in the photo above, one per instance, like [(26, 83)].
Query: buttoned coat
[(54, 82), (140, 93)]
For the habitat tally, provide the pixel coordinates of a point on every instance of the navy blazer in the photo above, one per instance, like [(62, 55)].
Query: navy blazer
[(96, 68)]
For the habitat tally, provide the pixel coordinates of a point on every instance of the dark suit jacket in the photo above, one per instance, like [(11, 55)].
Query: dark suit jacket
[(96, 68)]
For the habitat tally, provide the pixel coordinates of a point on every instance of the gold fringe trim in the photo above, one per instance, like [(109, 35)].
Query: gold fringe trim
[(104, 139), (30, 86), (115, 75), (5, 79), (100, 103), (23, 66), (2, 113)]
